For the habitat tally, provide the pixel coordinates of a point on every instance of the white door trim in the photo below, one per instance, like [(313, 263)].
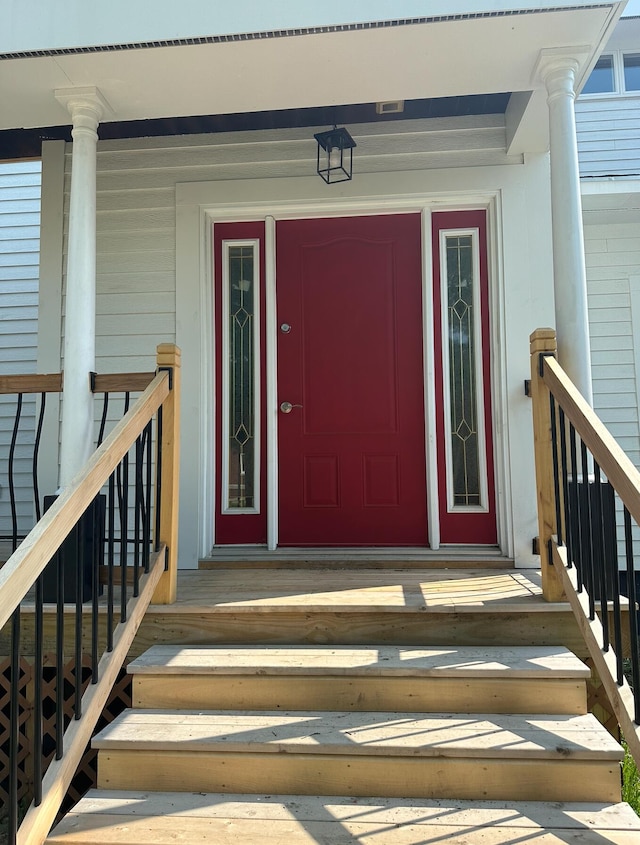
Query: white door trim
[(271, 399), (199, 205)]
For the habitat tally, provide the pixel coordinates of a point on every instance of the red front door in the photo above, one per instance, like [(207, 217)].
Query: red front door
[(350, 362)]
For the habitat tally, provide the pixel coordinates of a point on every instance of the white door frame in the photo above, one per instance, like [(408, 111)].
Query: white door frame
[(198, 207)]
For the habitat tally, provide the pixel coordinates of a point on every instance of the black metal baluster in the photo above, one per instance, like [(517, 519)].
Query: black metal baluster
[(556, 469), (111, 528), (36, 455), (148, 491), (611, 559), (137, 519), (96, 546), (158, 477), (633, 615), (587, 547), (575, 509), (597, 529), (14, 725), (12, 487), (59, 657), (80, 544), (568, 521), (103, 420), (124, 527), (38, 665)]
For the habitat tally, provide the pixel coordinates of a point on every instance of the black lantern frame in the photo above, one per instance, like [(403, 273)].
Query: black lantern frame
[(335, 155)]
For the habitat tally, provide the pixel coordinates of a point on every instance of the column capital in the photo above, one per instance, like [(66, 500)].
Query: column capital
[(86, 105), (559, 62)]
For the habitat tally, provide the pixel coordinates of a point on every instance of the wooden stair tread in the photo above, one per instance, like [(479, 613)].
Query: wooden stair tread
[(359, 591), (368, 734), (350, 559), (135, 818), (371, 661)]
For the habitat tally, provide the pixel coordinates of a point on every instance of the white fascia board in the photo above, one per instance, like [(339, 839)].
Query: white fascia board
[(35, 25), (609, 185)]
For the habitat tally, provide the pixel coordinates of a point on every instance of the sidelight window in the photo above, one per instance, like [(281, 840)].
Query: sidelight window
[(463, 379), (240, 377)]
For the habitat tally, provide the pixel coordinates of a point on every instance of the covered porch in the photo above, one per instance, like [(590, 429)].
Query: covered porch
[(136, 229), (145, 203)]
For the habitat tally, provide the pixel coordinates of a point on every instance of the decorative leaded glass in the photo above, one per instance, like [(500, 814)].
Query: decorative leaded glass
[(241, 375), (463, 389)]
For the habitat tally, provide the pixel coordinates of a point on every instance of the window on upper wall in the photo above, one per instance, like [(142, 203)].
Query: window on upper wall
[(631, 63), (614, 73), (601, 80)]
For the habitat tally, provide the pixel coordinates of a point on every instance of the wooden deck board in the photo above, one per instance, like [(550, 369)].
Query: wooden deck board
[(400, 734), (374, 661), (283, 606), (526, 815), (125, 830), (366, 590)]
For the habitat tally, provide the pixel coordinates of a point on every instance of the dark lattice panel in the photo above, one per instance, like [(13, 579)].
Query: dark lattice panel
[(24, 768), (85, 777)]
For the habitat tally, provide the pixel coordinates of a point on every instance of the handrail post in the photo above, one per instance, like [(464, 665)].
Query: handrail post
[(168, 357), (543, 342)]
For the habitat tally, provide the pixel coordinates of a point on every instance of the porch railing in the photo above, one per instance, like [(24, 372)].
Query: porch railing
[(586, 485), (26, 406), (104, 625)]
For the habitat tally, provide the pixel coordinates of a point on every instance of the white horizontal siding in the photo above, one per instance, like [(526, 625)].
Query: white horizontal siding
[(19, 272), (608, 136), (613, 260), (136, 181)]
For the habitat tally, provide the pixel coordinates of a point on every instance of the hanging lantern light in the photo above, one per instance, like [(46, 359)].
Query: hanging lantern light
[(335, 155)]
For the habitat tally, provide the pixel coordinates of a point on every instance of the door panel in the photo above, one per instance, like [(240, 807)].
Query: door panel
[(240, 378), (466, 490), (351, 458)]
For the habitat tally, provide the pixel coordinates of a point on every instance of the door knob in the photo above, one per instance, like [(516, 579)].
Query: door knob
[(287, 407)]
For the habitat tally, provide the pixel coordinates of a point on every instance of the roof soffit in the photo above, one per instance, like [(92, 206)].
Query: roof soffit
[(447, 58)]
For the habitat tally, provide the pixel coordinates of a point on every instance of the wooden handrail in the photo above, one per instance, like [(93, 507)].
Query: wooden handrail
[(22, 570), (612, 460), (559, 577), (38, 820), (32, 383), (52, 382), (121, 382), (25, 565)]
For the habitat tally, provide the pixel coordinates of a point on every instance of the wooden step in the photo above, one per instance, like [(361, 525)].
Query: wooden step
[(134, 818), (562, 758), (456, 679), (354, 559), (406, 607)]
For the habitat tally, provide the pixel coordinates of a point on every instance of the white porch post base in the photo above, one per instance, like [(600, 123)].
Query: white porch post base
[(86, 107), (558, 69)]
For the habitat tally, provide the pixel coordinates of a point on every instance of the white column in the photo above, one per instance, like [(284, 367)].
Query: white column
[(86, 107), (570, 277)]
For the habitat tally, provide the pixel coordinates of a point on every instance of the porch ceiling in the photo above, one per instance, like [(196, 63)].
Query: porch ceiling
[(431, 59)]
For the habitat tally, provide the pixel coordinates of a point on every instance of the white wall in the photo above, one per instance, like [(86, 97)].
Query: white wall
[(608, 125), (136, 182), (521, 300), (613, 277), (608, 133), (19, 270)]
